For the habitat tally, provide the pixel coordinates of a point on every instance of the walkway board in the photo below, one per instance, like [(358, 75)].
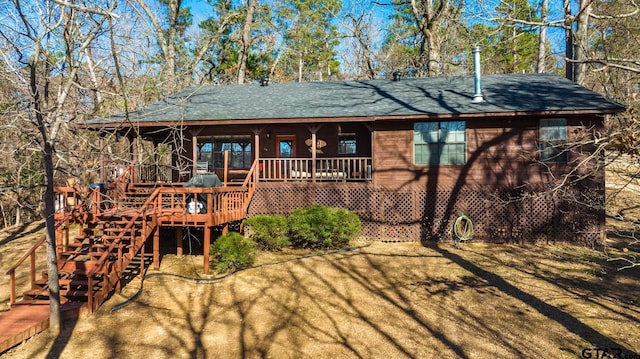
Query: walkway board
[(25, 320), (21, 323)]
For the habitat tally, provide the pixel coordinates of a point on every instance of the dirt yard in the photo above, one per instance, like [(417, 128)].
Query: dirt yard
[(375, 301), (379, 300)]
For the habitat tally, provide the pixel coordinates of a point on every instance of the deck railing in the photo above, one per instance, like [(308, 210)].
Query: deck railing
[(323, 169), (154, 173), (205, 206), (31, 254)]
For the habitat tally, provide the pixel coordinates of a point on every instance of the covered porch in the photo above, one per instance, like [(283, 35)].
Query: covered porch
[(327, 152)]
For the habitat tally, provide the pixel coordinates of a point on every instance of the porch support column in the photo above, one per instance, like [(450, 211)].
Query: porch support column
[(194, 149), (194, 154), (371, 128), (179, 241), (156, 162), (314, 145), (226, 169), (103, 173), (207, 246), (133, 143), (256, 142)]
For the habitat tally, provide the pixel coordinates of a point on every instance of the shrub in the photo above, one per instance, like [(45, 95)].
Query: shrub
[(269, 232), (232, 252), (323, 227)]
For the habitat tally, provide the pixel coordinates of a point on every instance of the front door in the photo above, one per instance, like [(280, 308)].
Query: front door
[(285, 151)]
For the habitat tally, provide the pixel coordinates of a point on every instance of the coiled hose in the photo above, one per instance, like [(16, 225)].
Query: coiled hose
[(462, 229)]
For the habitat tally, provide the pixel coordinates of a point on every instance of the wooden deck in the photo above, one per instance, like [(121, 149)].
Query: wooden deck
[(113, 229), (25, 320)]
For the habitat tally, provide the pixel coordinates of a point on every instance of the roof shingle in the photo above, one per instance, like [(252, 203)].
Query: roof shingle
[(526, 93)]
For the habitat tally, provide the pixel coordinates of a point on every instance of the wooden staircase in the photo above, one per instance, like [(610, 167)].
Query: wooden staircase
[(91, 265), (113, 230)]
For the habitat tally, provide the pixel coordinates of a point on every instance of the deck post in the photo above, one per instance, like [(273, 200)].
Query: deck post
[(207, 246), (226, 168), (156, 249), (179, 241), (142, 261)]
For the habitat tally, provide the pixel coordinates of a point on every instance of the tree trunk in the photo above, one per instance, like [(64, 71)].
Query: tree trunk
[(542, 40), (170, 56), (568, 38), (245, 42), (4, 216), (300, 64), (55, 318), (581, 39), (514, 49)]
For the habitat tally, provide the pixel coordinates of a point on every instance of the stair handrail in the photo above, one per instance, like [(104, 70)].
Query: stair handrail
[(103, 258), (30, 253), (250, 182)]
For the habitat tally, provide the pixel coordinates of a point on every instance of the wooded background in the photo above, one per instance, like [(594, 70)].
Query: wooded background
[(64, 61)]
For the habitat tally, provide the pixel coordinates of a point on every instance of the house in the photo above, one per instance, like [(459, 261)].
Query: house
[(516, 155), (408, 155)]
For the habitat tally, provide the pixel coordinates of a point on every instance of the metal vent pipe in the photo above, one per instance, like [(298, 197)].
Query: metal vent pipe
[(477, 96)]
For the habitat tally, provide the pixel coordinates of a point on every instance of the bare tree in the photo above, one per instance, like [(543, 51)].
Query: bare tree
[(581, 39), (542, 40), (246, 39), (47, 42), (360, 35), (431, 18)]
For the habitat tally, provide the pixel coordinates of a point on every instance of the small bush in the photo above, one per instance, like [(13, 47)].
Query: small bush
[(232, 252), (323, 227), (269, 232)]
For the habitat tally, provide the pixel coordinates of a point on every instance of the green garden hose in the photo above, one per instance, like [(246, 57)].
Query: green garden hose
[(462, 229)]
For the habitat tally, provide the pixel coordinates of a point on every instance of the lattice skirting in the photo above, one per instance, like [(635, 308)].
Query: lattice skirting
[(418, 215)]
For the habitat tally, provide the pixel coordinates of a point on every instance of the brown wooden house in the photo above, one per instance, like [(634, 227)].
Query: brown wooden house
[(408, 155), (517, 156)]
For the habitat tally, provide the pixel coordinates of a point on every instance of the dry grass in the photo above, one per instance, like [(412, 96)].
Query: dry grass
[(381, 300), (377, 301)]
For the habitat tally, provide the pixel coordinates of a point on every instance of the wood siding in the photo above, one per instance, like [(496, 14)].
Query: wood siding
[(501, 153)]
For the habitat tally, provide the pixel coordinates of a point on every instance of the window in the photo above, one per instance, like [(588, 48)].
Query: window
[(347, 144), (212, 151), (440, 143), (553, 135)]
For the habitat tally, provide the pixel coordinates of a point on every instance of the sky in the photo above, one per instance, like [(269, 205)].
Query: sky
[(476, 11)]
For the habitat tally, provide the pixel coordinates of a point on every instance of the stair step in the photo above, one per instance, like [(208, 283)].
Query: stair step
[(63, 292), (64, 282), (117, 229), (76, 267), (81, 245), (28, 301), (69, 254)]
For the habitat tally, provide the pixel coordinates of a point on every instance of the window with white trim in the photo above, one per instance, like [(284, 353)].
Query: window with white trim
[(553, 137), (440, 143)]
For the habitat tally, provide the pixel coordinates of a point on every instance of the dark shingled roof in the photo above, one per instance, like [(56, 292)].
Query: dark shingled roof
[(508, 94)]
